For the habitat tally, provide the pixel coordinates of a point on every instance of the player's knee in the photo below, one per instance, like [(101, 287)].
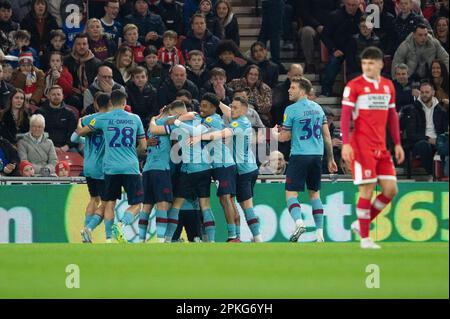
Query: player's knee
[(391, 192)]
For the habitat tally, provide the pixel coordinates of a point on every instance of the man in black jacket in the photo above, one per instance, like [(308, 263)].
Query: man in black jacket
[(425, 121), (60, 122), (177, 81), (386, 30), (314, 14), (337, 36), (142, 96)]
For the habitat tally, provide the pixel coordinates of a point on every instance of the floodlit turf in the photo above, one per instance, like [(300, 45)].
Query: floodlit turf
[(407, 270)]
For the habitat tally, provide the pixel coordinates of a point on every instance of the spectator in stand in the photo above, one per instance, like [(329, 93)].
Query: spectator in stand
[(269, 70), (57, 44), (7, 72), (386, 31), (131, 36), (58, 74), (62, 169), (337, 36), (228, 21), (7, 25), (122, 64), (151, 27), (100, 45), (21, 43), (192, 105), (212, 21), (172, 15), (281, 95), (442, 148), (407, 21), (314, 14), (37, 148), (169, 53), (20, 9), (438, 76), (217, 85), (272, 26), (5, 90), (142, 96), (197, 72), (60, 121), (252, 115), (39, 23), (9, 158), (227, 51), (177, 81), (83, 66), (426, 120), (14, 119), (418, 52), (74, 25), (29, 79), (260, 93), (102, 83), (405, 94), (191, 7), (442, 12), (112, 28), (441, 32), (275, 165), (26, 169), (201, 39), (156, 71)]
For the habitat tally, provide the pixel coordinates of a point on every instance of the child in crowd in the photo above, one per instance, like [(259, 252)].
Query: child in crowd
[(58, 74), (26, 169), (157, 71), (131, 36), (196, 69), (169, 53), (22, 40), (57, 44), (62, 169)]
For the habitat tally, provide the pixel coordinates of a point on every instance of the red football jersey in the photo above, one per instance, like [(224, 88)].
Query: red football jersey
[(371, 101)]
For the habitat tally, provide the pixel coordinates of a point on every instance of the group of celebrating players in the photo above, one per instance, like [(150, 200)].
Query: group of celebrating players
[(185, 151)]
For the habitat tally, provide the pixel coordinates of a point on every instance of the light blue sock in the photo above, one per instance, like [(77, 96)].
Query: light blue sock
[(252, 221), (87, 219), (143, 225), (238, 231), (317, 212), (161, 223), (108, 228), (128, 218), (231, 231), (209, 224), (94, 222), (172, 222), (294, 208)]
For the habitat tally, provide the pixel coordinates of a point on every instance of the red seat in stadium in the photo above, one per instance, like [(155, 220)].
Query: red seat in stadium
[(323, 53), (75, 161)]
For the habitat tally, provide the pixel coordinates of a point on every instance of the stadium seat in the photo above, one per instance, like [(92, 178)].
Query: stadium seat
[(33, 108), (75, 161), (439, 169)]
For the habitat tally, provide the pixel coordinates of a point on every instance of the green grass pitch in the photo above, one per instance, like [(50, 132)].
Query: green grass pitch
[(187, 271)]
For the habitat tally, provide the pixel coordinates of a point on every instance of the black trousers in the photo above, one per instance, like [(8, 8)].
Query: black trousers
[(425, 151)]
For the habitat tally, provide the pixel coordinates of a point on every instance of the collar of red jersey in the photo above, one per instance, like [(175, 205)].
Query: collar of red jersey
[(371, 80)]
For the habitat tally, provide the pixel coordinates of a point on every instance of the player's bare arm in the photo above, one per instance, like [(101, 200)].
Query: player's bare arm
[(226, 110), (83, 131), (332, 167)]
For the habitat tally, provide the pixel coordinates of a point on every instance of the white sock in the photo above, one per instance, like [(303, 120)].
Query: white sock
[(299, 222), (258, 239)]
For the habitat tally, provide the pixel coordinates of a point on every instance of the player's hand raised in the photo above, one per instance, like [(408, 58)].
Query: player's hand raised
[(399, 154), (347, 153)]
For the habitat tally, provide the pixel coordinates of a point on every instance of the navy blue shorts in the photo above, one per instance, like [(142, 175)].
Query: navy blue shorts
[(132, 185), (304, 169), (226, 176), (96, 187), (245, 185), (157, 187), (194, 185)]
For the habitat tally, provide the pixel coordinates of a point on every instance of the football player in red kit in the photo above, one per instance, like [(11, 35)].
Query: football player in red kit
[(370, 101)]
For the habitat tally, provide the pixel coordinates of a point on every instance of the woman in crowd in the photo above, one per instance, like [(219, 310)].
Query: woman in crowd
[(260, 93), (37, 148), (441, 32), (14, 119), (39, 22), (122, 64), (100, 45), (438, 76), (228, 21)]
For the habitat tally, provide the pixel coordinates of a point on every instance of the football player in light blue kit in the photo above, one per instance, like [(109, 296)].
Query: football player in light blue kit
[(122, 131), (94, 152), (306, 125), (241, 130)]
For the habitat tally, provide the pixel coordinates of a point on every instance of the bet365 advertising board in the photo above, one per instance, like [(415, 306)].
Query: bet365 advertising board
[(55, 214)]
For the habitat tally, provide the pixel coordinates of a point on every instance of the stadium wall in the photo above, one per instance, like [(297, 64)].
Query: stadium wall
[(55, 214)]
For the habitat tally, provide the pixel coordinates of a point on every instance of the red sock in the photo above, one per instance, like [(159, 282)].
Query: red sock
[(363, 212), (378, 205)]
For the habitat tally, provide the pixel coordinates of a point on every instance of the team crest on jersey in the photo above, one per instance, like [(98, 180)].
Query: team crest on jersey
[(367, 89), (234, 124), (387, 89), (208, 120), (92, 123), (284, 118), (368, 173)]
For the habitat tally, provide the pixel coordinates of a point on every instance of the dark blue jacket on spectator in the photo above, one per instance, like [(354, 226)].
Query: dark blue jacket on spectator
[(172, 16), (207, 45), (190, 7), (167, 93), (148, 23), (403, 95), (403, 27), (143, 103), (386, 33)]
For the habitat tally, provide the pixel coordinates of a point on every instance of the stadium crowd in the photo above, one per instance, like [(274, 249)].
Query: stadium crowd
[(54, 61)]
